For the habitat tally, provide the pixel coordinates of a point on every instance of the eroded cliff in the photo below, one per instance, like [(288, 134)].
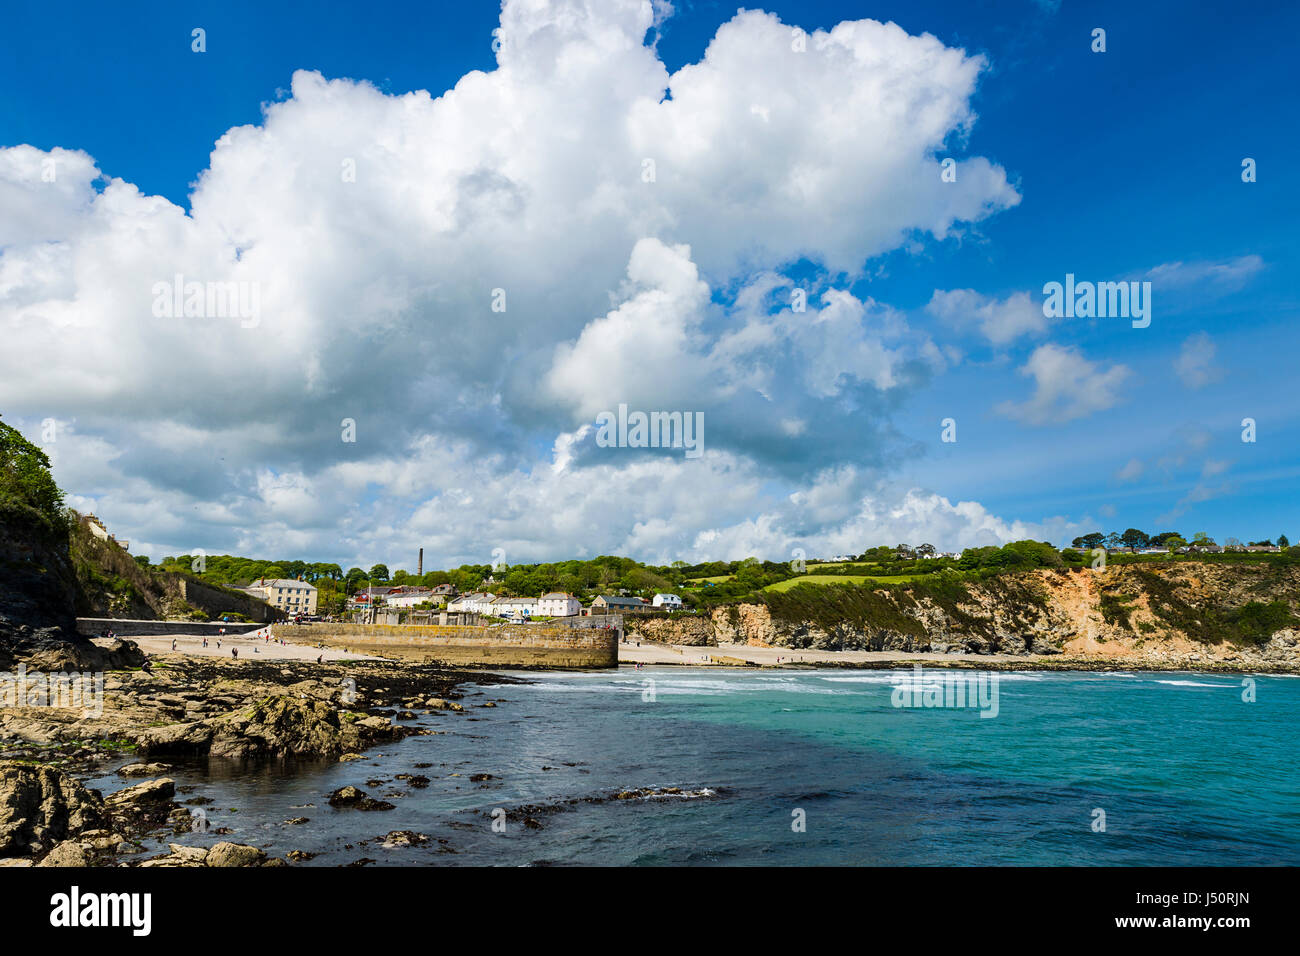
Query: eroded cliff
[(1153, 614)]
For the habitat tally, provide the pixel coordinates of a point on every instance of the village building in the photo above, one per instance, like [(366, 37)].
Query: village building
[(99, 531), (479, 602), (612, 604), (516, 608), (368, 597), (669, 601), (558, 604), (408, 596), (292, 597)]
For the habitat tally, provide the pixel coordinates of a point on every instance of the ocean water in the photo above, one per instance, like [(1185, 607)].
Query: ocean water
[(806, 768)]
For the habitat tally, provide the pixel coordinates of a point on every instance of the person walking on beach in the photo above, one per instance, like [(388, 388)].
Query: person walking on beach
[(234, 652), (173, 643)]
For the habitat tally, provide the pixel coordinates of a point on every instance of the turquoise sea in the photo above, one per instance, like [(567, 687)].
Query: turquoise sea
[(807, 768)]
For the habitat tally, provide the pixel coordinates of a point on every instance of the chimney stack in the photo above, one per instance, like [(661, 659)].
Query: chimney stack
[(420, 567)]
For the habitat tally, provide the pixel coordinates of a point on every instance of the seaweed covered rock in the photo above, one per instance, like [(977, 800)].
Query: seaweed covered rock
[(41, 806), (279, 726)]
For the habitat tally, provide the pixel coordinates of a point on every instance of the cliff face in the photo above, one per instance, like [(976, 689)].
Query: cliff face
[(111, 584), (37, 585), (51, 574), (39, 595), (686, 630), (1189, 612)]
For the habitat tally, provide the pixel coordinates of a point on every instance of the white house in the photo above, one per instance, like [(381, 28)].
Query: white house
[(518, 608), (670, 601), (480, 602), (558, 604), (408, 597)]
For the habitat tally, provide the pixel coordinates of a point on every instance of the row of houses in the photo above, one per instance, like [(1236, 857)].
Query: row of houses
[(551, 604), (403, 595), (1214, 549), (100, 531), (557, 604), (1220, 549)]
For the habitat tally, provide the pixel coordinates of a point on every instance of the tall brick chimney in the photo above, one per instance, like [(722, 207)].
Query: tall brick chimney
[(419, 573)]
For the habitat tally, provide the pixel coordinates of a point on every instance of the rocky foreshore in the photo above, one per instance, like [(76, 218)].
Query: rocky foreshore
[(182, 709)]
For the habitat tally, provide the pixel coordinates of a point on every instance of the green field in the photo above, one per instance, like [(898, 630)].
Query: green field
[(842, 579)]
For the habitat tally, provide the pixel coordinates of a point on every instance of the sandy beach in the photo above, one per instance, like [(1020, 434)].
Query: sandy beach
[(252, 645), (741, 654)]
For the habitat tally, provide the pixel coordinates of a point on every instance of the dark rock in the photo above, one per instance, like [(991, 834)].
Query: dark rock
[(40, 806), (357, 799)]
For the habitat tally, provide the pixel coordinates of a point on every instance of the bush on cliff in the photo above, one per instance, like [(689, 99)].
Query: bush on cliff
[(830, 605)]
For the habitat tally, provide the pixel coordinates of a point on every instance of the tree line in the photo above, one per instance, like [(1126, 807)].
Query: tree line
[(1135, 539)]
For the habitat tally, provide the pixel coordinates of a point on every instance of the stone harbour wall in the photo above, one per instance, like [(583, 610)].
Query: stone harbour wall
[(510, 646), (124, 627)]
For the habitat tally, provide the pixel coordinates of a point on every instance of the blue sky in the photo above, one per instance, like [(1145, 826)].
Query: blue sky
[(1125, 165)]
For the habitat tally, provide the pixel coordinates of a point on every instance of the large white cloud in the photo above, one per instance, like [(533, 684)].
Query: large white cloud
[(377, 228)]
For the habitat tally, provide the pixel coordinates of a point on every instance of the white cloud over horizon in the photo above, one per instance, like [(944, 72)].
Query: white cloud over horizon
[(472, 425)]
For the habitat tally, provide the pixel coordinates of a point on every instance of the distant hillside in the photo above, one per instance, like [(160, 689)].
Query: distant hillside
[(112, 584), (1147, 614)]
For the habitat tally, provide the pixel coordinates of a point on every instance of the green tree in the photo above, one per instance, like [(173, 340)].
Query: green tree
[(26, 485), (1094, 539), (379, 573), (1133, 539), (355, 580)]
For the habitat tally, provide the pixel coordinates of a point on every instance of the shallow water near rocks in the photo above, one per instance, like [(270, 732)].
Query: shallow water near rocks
[(1186, 772)]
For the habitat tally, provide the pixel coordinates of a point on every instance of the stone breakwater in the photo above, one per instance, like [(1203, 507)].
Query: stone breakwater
[(511, 646)]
